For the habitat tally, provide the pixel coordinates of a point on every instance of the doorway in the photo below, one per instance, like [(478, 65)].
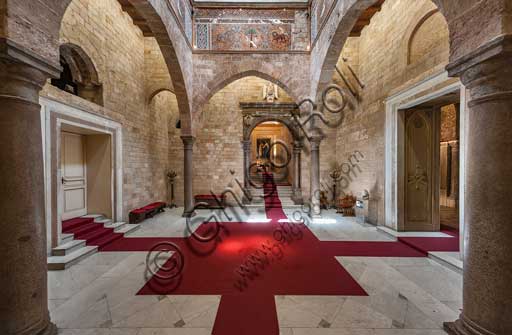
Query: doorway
[(430, 163), (74, 175), (86, 172), (265, 150)]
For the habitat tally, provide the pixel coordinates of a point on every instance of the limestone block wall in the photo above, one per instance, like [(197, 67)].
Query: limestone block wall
[(218, 146), (117, 49), (164, 106), (380, 58), (156, 73)]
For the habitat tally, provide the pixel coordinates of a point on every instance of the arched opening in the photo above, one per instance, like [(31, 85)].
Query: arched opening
[(227, 120), (79, 75), (163, 107), (271, 149), (393, 54), (429, 38)]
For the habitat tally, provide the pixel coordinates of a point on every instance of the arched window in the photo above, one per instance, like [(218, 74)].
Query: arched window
[(79, 76)]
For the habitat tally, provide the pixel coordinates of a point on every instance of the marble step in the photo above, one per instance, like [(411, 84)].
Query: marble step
[(128, 228), (103, 221), (64, 262), (115, 225), (74, 251), (93, 216), (65, 238), (68, 247)]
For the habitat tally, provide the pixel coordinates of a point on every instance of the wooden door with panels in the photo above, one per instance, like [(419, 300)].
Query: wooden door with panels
[(421, 170), (74, 175)]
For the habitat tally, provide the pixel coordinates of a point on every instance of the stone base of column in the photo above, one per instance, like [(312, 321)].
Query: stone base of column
[(462, 326), (297, 197), (189, 214), (51, 329)]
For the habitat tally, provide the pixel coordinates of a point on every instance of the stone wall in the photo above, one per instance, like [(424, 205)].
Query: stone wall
[(117, 49), (157, 77), (380, 59), (165, 105)]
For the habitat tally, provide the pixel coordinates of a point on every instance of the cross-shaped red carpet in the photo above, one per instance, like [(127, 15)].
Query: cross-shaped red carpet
[(250, 263)]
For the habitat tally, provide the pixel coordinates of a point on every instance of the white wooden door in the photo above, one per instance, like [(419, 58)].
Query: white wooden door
[(74, 183)]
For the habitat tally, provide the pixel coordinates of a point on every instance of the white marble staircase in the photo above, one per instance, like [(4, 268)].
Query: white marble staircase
[(71, 251), (284, 192)]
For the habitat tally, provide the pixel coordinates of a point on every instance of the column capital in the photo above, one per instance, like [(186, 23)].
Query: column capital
[(23, 73), (188, 141), (486, 71), (315, 141)]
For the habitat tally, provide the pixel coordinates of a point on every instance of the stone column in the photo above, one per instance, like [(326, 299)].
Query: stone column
[(454, 187), (296, 189), (188, 147), (487, 293), (23, 269), (315, 141), (247, 166)]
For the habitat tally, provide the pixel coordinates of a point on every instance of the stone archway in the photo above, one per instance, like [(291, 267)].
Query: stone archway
[(480, 49), (83, 72), (256, 114), (330, 45), (29, 55), (158, 18)]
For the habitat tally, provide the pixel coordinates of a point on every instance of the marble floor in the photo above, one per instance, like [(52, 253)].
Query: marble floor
[(408, 296)]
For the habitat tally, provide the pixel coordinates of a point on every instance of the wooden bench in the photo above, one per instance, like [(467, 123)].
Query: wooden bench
[(141, 214)]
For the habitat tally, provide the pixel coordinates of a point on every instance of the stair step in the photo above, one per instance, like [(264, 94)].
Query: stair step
[(103, 221), (107, 239), (64, 262), (96, 234), (68, 248), (93, 216), (128, 228), (68, 225), (115, 225), (85, 230), (66, 237)]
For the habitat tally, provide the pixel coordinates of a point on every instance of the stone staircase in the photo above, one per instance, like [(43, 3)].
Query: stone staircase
[(84, 236), (284, 192)]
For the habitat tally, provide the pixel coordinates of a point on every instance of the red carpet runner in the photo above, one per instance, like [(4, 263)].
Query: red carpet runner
[(93, 233), (301, 265)]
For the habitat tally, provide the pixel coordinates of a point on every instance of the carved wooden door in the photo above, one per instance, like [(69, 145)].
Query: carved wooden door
[(420, 170)]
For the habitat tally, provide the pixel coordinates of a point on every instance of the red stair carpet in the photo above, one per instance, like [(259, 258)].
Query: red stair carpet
[(93, 233), (299, 264)]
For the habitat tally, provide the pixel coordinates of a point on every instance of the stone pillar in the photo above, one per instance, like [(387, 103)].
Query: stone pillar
[(247, 173), (188, 147), (315, 141), (454, 187), (23, 269), (487, 293), (297, 188)]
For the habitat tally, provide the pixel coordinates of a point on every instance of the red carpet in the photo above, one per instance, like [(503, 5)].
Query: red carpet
[(426, 244), (250, 263), (93, 233)]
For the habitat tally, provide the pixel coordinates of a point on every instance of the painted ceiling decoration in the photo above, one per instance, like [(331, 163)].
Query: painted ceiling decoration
[(251, 26), (245, 29)]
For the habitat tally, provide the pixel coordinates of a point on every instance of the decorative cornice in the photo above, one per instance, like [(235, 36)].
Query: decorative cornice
[(494, 48), (12, 51), (268, 106)]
